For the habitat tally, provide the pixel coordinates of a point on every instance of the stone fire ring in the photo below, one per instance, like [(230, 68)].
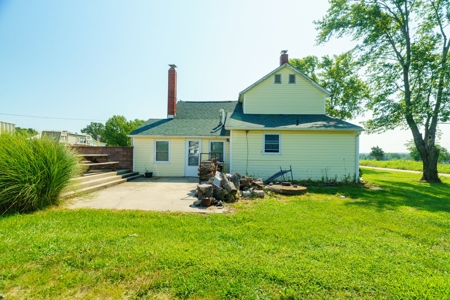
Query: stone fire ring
[(287, 190)]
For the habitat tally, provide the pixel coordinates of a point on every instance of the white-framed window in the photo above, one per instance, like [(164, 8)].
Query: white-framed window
[(277, 78), (291, 78), (162, 151), (272, 143), (217, 147)]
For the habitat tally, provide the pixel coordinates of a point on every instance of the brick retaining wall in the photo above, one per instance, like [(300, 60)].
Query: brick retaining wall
[(124, 155)]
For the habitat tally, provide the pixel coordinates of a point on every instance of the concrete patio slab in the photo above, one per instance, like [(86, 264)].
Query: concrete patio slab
[(155, 194)]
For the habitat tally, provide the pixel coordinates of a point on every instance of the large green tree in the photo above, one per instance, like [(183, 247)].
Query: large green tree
[(95, 129), (404, 46), (117, 128), (339, 75), (377, 153)]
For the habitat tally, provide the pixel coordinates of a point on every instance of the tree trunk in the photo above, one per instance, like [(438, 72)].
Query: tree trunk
[(228, 185), (430, 160)]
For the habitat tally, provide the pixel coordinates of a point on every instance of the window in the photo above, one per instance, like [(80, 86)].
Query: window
[(291, 78), (162, 151), (193, 153), (217, 150), (277, 78), (271, 143)]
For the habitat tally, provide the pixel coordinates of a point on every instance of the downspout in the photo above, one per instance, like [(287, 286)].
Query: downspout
[(357, 159), (231, 151), (132, 144), (246, 168)]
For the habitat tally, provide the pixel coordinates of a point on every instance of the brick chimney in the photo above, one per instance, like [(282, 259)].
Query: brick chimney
[(284, 57), (172, 93)]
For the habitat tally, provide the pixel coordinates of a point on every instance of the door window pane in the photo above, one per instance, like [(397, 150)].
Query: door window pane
[(193, 159)]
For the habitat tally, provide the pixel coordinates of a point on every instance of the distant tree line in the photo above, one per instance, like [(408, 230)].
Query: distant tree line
[(28, 132), (378, 154)]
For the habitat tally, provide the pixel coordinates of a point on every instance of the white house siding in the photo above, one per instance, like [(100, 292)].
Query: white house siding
[(312, 154), (7, 127), (270, 98), (144, 156)]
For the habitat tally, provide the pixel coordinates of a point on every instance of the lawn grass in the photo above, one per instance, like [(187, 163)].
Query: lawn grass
[(333, 243), (402, 164)]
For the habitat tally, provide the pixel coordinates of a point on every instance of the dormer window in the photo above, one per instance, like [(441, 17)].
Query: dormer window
[(277, 78), (291, 78)]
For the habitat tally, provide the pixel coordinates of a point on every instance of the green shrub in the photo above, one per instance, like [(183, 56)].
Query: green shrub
[(33, 172)]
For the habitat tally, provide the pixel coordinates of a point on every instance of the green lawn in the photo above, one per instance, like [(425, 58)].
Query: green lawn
[(402, 164), (392, 243)]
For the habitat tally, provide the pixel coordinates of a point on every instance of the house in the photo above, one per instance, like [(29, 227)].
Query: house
[(279, 121), (7, 127), (69, 138)]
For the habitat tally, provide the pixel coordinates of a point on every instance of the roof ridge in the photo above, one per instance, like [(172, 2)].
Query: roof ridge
[(209, 101)]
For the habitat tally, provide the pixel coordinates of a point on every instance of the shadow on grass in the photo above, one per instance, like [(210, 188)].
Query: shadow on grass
[(397, 190)]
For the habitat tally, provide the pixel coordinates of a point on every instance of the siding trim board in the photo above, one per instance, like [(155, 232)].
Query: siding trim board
[(231, 151), (166, 137), (293, 129), (357, 160)]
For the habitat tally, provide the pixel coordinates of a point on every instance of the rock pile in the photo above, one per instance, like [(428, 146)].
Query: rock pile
[(215, 186)]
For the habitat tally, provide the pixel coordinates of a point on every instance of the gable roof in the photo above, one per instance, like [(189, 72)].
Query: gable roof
[(240, 121), (287, 65), (197, 119), (193, 119)]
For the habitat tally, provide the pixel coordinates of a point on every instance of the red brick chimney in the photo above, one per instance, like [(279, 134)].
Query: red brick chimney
[(284, 58), (172, 93)]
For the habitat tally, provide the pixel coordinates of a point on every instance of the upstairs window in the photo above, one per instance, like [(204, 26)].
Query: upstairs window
[(272, 143), (277, 78), (291, 78)]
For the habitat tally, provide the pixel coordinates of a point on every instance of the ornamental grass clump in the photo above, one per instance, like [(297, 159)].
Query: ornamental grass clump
[(33, 172)]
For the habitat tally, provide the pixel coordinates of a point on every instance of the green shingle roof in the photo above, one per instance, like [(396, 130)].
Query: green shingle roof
[(192, 119), (240, 121), (203, 119)]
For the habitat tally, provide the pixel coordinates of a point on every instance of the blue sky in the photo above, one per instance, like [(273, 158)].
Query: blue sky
[(72, 62)]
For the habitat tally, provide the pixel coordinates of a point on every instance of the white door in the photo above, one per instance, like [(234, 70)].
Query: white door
[(192, 158)]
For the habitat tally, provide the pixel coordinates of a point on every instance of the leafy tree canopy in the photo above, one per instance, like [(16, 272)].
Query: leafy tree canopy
[(444, 155), (403, 45), (339, 75), (117, 128), (95, 129), (377, 153), (28, 132)]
